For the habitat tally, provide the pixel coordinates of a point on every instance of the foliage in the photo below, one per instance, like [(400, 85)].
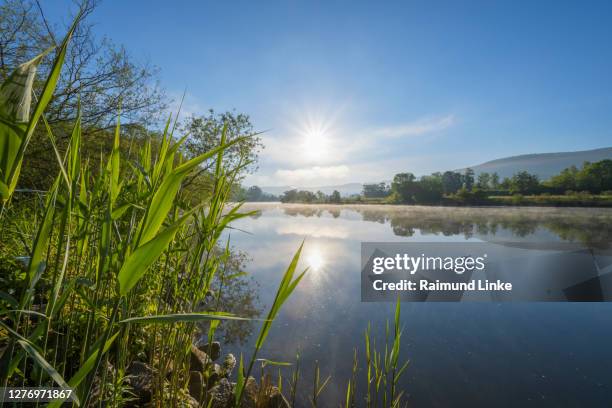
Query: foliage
[(524, 183), (451, 182), (468, 178), (305, 196), (592, 177), (204, 132), (403, 187), (376, 190), (254, 194)]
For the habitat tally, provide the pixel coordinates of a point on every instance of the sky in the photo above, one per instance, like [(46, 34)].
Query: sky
[(357, 91)]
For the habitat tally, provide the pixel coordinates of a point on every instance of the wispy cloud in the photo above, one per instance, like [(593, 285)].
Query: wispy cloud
[(310, 175), (416, 128)]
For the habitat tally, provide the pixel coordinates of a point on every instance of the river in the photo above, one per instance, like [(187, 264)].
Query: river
[(461, 354)]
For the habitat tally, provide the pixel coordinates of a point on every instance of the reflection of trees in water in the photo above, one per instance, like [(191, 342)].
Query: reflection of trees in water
[(234, 292), (585, 225), (310, 211), (335, 212), (594, 233)]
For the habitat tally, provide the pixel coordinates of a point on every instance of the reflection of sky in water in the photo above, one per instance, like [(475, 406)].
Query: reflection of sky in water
[(537, 354)]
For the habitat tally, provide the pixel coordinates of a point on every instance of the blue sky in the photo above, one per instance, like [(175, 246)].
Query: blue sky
[(360, 90)]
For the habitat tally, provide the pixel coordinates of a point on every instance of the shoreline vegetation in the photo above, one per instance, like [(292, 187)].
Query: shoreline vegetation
[(588, 186), (114, 279)]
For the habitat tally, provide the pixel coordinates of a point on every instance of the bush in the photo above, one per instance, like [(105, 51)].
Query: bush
[(517, 199)]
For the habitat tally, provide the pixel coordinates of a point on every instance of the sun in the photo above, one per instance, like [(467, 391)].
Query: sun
[(315, 260), (316, 138), (315, 145)]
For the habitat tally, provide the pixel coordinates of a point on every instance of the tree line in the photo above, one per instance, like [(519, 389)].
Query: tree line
[(458, 187), (591, 178)]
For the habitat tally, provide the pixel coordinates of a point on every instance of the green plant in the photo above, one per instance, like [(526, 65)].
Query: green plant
[(118, 260)]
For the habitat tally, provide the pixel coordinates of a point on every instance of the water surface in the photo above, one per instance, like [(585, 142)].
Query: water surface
[(461, 354)]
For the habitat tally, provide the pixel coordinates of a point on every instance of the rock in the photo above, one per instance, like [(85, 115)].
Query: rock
[(213, 350), (140, 378), (95, 388), (191, 402), (215, 375), (199, 359), (251, 391), (196, 385), (276, 399), (184, 400), (222, 394), (229, 363)]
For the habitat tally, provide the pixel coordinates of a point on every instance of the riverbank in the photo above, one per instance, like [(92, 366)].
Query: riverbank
[(517, 200)]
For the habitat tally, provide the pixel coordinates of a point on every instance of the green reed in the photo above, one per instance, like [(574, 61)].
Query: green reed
[(119, 259)]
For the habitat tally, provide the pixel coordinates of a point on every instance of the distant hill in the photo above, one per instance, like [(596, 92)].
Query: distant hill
[(344, 189), (544, 165)]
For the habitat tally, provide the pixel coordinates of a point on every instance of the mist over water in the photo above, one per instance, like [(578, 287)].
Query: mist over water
[(476, 354)]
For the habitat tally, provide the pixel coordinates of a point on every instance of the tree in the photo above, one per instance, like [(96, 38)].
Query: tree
[(375, 190), (484, 180), (451, 182), (495, 181), (595, 177), (254, 193), (566, 180), (320, 197), (298, 196), (205, 134), (96, 72), (96, 75), (335, 197), (289, 196), (524, 183), (403, 186), (468, 178), (428, 189)]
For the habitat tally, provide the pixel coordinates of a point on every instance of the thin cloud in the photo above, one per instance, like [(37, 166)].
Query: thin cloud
[(417, 128), (317, 174)]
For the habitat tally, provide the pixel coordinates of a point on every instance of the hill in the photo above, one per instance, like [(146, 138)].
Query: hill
[(544, 165)]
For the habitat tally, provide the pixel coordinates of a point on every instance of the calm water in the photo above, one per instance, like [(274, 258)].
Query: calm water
[(462, 354)]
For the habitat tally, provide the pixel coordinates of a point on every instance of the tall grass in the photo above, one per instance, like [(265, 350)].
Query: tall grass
[(118, 261)]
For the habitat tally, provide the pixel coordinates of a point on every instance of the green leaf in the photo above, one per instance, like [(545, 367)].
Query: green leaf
[(145, 255), (9, 299), (183, 317), (239, 383), (86, 367), (285, 289), (13, 134), (163, 199), (37, 259), (44, 364), (267, 362)]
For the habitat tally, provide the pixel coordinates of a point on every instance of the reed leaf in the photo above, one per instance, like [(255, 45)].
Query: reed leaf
[(163, 199), (15, 127), (44, 364), (145, 255), (183, 317)]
